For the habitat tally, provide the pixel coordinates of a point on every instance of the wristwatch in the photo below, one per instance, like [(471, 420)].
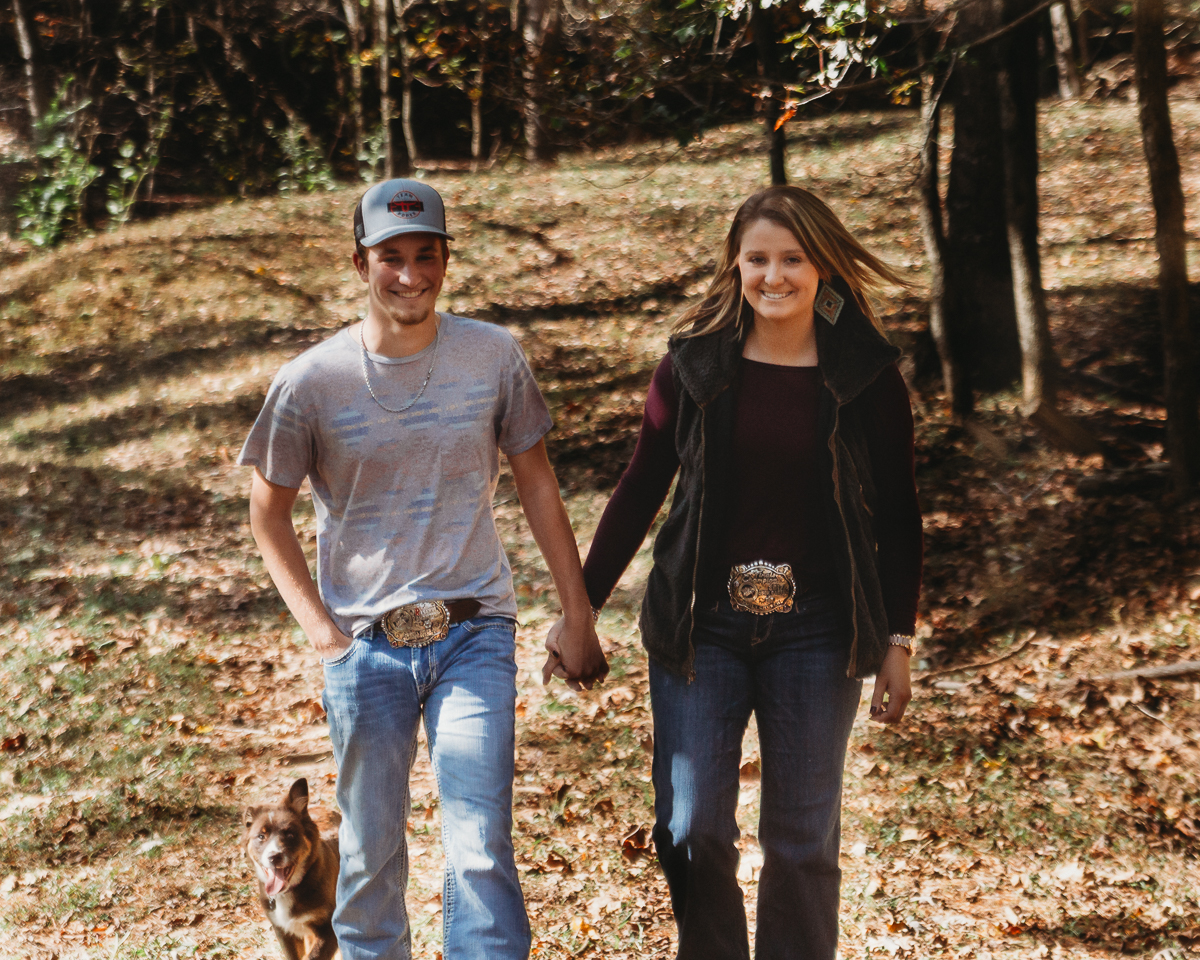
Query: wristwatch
[(901, 640)]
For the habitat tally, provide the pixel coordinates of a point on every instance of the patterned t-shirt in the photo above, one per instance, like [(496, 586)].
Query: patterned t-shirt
[(403, 500)]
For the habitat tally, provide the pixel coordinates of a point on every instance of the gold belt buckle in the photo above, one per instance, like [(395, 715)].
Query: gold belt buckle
[(762, 587), (417, 624)]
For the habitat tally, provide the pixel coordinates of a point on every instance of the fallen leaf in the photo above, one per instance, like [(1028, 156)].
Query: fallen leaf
[(555, 861), (635, 844), (1070, 872)]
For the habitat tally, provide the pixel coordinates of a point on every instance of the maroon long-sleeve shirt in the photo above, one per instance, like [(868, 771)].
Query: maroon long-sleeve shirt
[(777, 512)]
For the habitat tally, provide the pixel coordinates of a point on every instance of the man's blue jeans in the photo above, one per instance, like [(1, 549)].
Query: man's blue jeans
[(790, 670), (375, 695)]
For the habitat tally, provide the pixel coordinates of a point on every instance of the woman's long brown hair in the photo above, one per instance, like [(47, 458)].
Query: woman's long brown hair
[(828, 244)]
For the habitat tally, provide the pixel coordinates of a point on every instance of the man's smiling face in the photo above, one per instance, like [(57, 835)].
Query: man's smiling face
[(404, 275)]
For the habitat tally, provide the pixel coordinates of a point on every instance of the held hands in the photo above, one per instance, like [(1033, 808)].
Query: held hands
[(892, 683), (574, 654)]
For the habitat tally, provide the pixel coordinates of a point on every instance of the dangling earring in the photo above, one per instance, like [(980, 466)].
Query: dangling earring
[(829, 303)]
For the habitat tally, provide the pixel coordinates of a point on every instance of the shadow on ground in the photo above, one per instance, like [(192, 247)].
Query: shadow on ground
[(1010, 541)]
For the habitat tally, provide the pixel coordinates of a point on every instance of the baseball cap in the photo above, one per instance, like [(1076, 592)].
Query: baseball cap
[(398, 206)]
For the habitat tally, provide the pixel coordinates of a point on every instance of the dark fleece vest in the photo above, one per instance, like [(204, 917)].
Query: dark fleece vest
[(851, 354)]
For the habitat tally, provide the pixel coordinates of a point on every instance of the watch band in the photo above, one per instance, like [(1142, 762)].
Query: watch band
[(901, 640)]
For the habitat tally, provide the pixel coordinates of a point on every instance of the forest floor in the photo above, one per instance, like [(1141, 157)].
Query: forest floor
[(152, 683)]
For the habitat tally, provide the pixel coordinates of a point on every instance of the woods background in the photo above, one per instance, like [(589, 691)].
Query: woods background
[(176, 181)]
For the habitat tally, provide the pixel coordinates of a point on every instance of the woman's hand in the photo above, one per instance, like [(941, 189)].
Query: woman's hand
[(893, 684)]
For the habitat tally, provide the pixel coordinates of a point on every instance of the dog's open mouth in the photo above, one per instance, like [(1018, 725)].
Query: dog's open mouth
[(276, 880)]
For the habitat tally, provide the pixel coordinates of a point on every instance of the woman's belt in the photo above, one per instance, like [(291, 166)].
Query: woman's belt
[(761, 587)]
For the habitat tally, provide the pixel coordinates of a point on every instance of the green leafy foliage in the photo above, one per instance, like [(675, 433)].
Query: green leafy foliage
[(305, 170), (50, 205), (842, 34), (370, 158), (131, 168)]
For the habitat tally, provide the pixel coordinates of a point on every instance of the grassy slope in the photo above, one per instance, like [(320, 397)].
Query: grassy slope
[(153, 683)]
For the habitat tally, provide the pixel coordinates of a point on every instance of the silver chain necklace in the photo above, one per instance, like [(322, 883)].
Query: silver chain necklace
[(437, 339)]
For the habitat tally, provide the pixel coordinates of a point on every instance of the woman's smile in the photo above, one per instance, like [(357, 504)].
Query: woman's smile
[(779, 280)]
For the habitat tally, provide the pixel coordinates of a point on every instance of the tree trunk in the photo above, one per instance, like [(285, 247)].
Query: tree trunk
[(476, 89), (1017, 84), (539, 16), (929, 213), (383, 67), (1182, 381), (981, 323), (410, 143), (1079, 12), (1064, 52), (151, 88), (396, 161), (35, 87), (716, 49), (354, 29), (767, 46), (477, 124)]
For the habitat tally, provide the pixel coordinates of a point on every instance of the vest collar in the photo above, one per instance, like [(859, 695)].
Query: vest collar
[(851, 352)]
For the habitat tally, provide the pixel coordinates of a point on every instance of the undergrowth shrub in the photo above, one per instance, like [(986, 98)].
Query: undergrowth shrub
[(132, 168), (49, 206), (306, 170)]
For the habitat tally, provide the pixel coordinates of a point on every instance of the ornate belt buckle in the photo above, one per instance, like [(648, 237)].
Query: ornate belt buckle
[(762, 587), (417, 624)]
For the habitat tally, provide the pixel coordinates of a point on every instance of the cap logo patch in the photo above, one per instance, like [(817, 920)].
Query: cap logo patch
[(405, 205)]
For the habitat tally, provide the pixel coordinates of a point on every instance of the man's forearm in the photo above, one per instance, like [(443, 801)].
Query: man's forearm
[(574, 650), (285, 562), (552, 531)]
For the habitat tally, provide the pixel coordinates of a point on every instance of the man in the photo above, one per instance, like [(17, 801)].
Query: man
[(397, 423)]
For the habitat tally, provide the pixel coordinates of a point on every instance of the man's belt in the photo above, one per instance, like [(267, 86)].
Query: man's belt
[(762, 587), (420, 624)]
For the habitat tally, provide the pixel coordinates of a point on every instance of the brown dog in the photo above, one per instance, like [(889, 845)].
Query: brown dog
[(297, 872)]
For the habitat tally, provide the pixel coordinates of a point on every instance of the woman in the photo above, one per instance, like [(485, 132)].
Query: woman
[(787, 569)]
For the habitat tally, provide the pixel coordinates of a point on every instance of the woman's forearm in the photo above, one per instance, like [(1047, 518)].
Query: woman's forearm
[(639, 496)]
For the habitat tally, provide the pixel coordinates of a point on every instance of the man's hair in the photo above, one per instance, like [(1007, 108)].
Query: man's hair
[(362, 251)]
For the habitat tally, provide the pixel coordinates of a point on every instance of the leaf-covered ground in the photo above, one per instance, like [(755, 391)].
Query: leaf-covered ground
[(152, 683)]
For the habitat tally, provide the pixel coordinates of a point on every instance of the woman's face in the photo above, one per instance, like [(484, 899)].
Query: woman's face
[(778, 279)]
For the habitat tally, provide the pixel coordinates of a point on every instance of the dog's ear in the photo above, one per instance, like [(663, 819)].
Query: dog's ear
[(297, 797)]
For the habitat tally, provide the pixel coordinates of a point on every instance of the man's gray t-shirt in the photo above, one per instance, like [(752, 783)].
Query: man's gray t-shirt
[(403, 500)]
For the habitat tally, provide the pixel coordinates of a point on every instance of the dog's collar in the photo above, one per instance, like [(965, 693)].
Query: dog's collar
[(271, 903)]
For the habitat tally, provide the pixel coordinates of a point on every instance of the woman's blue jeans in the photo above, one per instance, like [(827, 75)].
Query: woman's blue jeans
[(465, 689), (790, 670)]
